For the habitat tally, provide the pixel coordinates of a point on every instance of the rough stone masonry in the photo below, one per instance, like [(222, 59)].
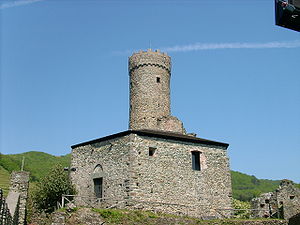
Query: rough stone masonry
[(17, 196), (155, 165), (283, 203)]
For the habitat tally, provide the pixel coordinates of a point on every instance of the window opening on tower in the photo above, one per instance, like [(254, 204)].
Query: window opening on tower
[(151, 151)]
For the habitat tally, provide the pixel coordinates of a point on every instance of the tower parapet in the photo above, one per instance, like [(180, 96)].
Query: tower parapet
[(150, 58), (150, 73)]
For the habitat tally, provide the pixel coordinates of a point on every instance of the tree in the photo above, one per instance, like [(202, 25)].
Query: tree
[(50, 189)]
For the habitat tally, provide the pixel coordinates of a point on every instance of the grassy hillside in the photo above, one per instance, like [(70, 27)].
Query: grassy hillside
[(38, 163), (4, 180), (244, 186)]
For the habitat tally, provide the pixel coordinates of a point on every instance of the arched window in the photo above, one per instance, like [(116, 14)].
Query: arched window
[(98, 168), (98, 181)]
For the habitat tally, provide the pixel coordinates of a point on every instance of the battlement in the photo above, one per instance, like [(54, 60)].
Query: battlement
[(149, 58), (149, 50)]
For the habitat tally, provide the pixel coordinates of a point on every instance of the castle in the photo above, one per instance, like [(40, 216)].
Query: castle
[(155, 165)]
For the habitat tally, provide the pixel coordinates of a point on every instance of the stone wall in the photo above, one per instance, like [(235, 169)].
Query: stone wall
[(288, 198), (19, 182), (150, 92), (282, 203), (167, 179), (266, 206), (113, 157), (164, 181), (170, 123), (13, 203), (8, 209)]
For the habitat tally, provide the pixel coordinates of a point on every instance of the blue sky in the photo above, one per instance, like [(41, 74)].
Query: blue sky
[(64, 77)]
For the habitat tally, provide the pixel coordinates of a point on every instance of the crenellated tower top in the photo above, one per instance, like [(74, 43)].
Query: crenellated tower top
[(150, 58)]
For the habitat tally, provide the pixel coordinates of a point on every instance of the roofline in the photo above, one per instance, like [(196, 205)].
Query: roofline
[(153, 133)]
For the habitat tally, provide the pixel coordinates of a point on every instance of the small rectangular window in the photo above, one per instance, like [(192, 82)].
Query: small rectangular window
[(157, 79), (196, 160), (98, 187), (152, 151)]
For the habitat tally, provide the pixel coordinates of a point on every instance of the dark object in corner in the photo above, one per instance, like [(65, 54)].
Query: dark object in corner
[(295, 220), (287, 14)]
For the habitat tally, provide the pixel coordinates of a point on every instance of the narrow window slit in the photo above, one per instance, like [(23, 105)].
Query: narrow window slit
[(196, 161)]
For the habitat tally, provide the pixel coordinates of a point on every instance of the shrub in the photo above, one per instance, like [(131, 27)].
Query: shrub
[(242, 213), (50, 189)]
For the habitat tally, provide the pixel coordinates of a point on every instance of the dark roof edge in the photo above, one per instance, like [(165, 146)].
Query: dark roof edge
[(159, 134), (120, 134), (181, 137)]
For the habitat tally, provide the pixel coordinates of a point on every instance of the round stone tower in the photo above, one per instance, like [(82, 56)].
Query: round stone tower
[(150, 73)]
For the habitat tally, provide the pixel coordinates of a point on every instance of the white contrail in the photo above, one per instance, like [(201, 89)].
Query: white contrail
[(17, 3), (235, 45), (217, 46)]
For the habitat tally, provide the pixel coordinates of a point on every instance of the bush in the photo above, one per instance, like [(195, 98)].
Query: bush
[(242, 213), (50, 189)]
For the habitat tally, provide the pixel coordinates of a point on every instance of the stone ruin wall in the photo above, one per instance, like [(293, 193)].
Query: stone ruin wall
[(163, 182), (18, 193), (282, 203), (170, 123), (266, 206), (150, 93), (288, 197)]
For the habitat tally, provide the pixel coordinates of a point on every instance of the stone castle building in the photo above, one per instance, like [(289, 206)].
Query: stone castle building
[(155, 165)]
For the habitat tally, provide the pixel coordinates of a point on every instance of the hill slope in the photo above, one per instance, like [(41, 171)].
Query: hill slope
[(244, 186), (4, 180), (38, 163)]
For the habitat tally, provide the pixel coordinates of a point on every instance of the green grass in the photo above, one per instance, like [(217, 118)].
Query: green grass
[(114, 216), (117, 216), (8, 163), (4, 180)]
